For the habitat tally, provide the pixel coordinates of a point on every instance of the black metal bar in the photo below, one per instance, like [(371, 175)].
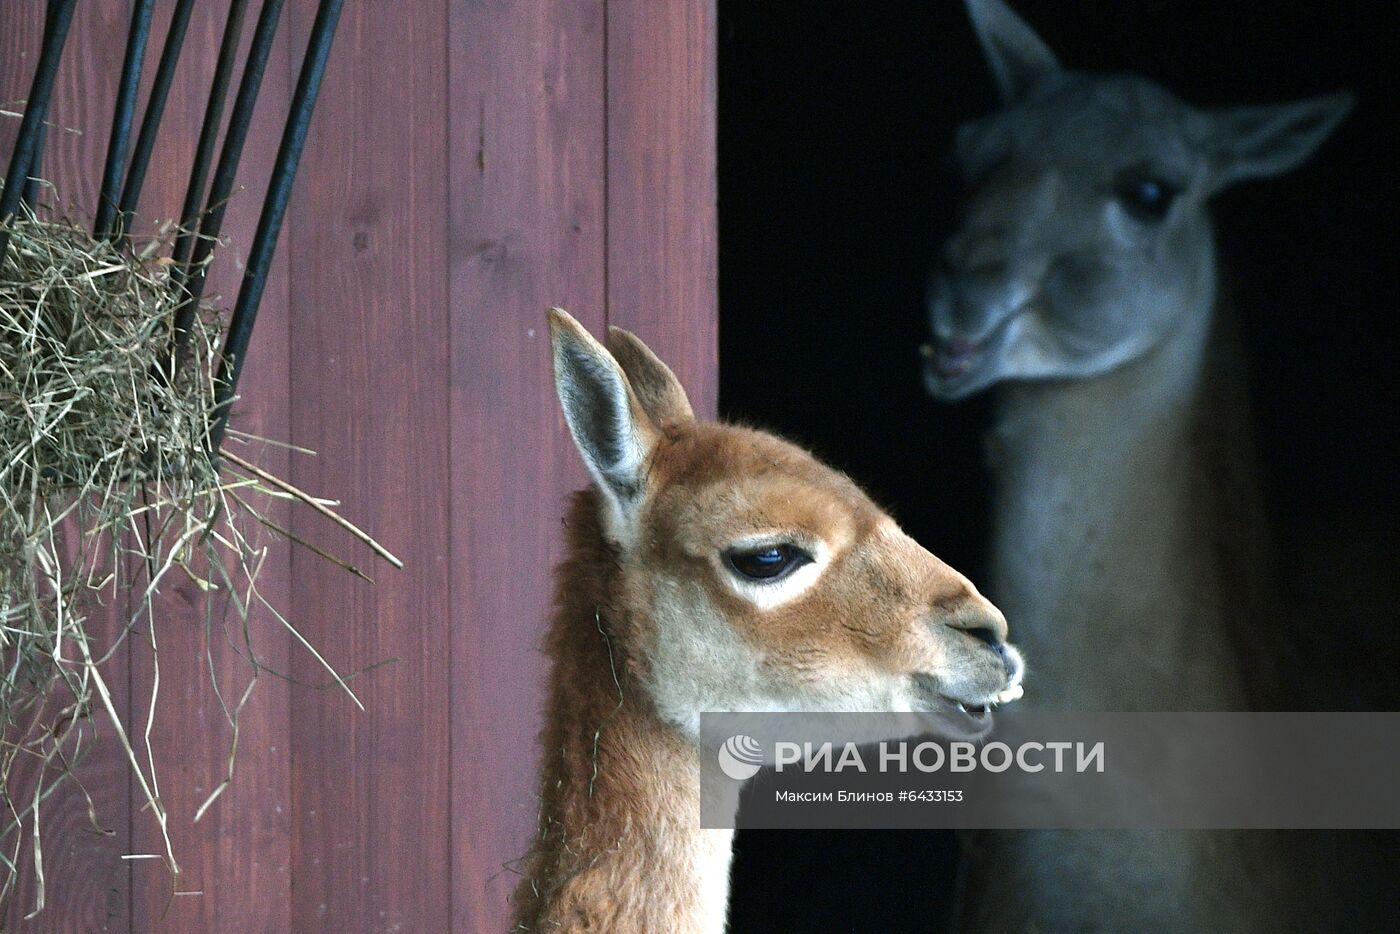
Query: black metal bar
[(105, 224), (36, 166), (30, 196), (279, 189), (35, 111), (155, 109), (208, 136), (222, 186)]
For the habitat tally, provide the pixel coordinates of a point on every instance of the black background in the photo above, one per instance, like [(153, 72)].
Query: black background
[(833, 119)]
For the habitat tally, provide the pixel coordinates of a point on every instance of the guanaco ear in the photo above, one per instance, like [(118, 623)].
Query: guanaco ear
[(608, 424), (1255, 142), (1017, 56), (656, 387)]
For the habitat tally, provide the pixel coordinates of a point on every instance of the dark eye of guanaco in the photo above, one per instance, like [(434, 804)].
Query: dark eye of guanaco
[(766, 563), (1145, 197)]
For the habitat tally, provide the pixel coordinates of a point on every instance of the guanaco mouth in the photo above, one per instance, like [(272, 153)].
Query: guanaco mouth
[(929, 687)]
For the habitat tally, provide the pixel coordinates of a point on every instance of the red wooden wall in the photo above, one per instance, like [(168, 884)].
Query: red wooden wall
[(470, 164)]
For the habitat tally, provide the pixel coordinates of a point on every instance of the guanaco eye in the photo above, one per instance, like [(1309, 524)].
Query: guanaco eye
[(768, 563), (1146, 198)]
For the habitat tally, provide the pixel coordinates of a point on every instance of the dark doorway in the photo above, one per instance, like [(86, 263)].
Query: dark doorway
[(833, 117)]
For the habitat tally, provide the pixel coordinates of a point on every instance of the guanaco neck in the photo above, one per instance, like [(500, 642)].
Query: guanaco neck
[(1104, 534), (619, 845), (1126, 552)]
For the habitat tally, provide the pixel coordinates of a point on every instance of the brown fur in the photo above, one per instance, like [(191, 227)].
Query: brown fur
[(603, 751)]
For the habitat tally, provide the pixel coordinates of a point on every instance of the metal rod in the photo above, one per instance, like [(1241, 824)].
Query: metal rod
[(35, 111), (105, 224), (279, 189), (208, 137), (155, 109), (30, 195), (222, 186)]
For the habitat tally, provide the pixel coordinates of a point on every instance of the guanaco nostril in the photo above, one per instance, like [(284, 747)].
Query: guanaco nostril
[(988, 636)]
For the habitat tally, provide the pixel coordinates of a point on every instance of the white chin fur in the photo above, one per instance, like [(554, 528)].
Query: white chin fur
[(1014, 690)]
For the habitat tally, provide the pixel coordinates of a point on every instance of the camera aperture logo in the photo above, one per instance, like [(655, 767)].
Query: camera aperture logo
[(740, 757)]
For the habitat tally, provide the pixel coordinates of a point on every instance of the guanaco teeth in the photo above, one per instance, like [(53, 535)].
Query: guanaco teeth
[(1010, 694)]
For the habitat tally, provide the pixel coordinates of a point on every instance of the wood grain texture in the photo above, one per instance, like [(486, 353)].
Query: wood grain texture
[(237, 857), (470, 164), (88, 882), (662, 230), (526, 160), (370, 329)]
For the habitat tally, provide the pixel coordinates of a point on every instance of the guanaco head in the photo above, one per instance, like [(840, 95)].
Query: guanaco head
[(1084, 240), (769, 581)]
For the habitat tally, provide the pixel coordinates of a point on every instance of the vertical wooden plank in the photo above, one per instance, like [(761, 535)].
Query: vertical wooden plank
[(20, 40), (83, 94), (662, 231), (238, 856), (88, 882), (371, 330), (526, 169)]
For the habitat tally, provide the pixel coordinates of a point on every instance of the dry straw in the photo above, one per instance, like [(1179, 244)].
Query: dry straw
[(108, 494)]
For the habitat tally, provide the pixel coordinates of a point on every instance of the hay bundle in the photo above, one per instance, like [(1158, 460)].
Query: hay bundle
[(84, 331), (106, 487), (102, 463)]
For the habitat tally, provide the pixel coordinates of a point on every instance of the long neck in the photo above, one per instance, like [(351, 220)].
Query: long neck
[(619, 845), (1102, 555)]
